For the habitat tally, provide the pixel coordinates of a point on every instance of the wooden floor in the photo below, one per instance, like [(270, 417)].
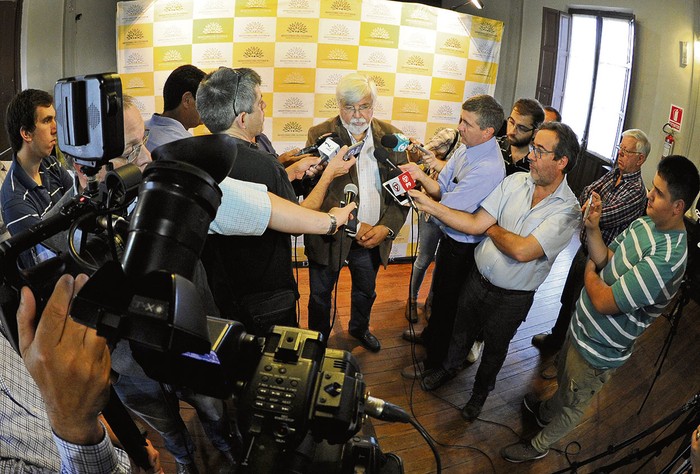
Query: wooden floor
[(474, 447)]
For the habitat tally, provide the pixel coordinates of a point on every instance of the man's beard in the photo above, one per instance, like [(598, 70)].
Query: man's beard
[(523, 142), (357, 127)]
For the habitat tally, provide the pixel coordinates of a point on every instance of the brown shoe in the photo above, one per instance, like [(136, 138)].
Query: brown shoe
[(412, 310), (413, 336), (549, 372)]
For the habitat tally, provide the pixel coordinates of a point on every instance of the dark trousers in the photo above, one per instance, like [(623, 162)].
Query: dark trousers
[(452, 264), (363, 264), (495, 311), (569, 296)]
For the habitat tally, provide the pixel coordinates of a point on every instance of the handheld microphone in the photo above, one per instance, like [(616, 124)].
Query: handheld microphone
[(313, 149), (350, 192), (382, 156), (399, 142)]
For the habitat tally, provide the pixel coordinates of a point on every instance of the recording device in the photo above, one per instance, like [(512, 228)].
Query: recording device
[(399, 142), (291, 387), (350, 192), (313, 149), (399, 185)]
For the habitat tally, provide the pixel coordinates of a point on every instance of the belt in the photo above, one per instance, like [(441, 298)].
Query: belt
[(491, 287)]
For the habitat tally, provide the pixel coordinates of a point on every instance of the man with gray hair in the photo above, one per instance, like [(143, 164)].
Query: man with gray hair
[(380, 216), (624, 199)]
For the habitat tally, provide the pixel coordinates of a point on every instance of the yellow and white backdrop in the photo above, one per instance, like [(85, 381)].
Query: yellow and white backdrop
[(425, 60)]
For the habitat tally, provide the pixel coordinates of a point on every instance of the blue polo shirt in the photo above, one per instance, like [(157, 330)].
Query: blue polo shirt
[(24, 202)]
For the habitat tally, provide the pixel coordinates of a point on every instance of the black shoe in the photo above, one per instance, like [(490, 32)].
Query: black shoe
[(436, 379), (367, 340), (472, 409), (187, 468), (532, 404), (544, 342), (413, 336)]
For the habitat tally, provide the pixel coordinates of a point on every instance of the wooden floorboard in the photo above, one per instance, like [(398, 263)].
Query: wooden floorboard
[(474, 447)]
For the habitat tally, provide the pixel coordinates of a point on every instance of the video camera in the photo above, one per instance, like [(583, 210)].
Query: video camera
[(290, 387)]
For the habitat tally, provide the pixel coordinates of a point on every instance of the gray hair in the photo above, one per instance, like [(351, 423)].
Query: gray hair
[(353, 88), (489, 112), (643, 146), (223, 89)]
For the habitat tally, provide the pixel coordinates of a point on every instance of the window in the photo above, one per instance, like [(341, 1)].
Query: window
[(585, 71)]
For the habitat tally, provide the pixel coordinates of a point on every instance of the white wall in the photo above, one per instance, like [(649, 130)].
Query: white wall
[(658, 79)]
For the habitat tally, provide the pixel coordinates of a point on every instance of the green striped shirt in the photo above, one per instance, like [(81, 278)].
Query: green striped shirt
[(644, 273)]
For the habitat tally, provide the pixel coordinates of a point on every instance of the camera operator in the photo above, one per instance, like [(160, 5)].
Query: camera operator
[(36, 180), (63, 389)]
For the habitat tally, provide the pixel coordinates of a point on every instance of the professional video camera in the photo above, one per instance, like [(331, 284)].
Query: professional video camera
[(293, 392)]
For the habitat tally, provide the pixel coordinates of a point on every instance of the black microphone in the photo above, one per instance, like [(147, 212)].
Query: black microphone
[(382, 156), (350, 192), (313, 149), (381, 410)]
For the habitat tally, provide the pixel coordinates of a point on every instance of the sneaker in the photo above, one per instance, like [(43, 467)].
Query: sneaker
[(436, 379), (532, 404), (521, 452), (475, 351), (415, 371), (412, 310), (472, 409)]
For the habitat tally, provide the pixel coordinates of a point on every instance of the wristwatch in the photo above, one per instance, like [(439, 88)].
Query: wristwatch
[(391, 235), (333, 226)]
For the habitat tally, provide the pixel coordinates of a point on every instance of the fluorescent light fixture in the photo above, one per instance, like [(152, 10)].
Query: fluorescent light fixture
[(477, 4)]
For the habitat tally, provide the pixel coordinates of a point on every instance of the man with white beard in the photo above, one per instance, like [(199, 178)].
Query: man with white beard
[(379, 216)]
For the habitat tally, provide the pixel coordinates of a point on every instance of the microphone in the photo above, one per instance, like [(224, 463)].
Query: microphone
[(381, 410), (313, 149), (399, 142), (381, 155), (350, 192)]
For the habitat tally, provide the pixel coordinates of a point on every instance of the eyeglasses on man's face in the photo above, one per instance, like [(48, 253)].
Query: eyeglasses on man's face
[(132, 154), (362, 109), (519, 127), (537, 152), (625, 152)]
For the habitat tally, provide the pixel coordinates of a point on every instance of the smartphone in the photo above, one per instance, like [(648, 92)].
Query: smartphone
[(588, 208), (354, 150)]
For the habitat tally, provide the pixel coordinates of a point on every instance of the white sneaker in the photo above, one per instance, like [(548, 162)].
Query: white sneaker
[(475, 351)]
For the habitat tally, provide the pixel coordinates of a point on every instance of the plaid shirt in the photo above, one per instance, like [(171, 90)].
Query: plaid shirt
[(622, 204), (27, 443)]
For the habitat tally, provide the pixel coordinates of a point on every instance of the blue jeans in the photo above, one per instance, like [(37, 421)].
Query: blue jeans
[(363, 264), (429, 236), (160, 409), (496, 312)]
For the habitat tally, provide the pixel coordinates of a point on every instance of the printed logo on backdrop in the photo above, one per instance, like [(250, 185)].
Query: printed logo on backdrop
[(381, 12), (256, 8), (411, 110), (449, 67), (381, 35), (297, 29), (167, 33), (211, 56), (416, 40), (484, 50), (486, 29), (212, 9), (253, 55), (139, 35), (293, 105), (478, 71), (419, 16), (171, 57), (383, 108), (377, 59), (136, 60), (341, 9), (415, 63), (297, 55), (254, 29), (337, 56), (218, 30), (327, 80), (475, 88), (339, 32), (298, 8), (452, 45), (172, 10), (408, 85), (325, 105), (384, 81), (138, 84), (445, 112), (133, 12), (450, 90), (296, 80), (290, 129)]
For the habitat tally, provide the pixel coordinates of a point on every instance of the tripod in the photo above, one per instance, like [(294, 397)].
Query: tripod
[(674, 317)]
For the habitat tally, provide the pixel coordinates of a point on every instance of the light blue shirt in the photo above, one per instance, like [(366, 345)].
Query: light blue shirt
[(467, 178), (164, 130), (553, 222)]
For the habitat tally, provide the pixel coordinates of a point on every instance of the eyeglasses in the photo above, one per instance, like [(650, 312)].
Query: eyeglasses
[(624, 152), (136, 149), (537, 152), (520, 128), (351, 109)]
